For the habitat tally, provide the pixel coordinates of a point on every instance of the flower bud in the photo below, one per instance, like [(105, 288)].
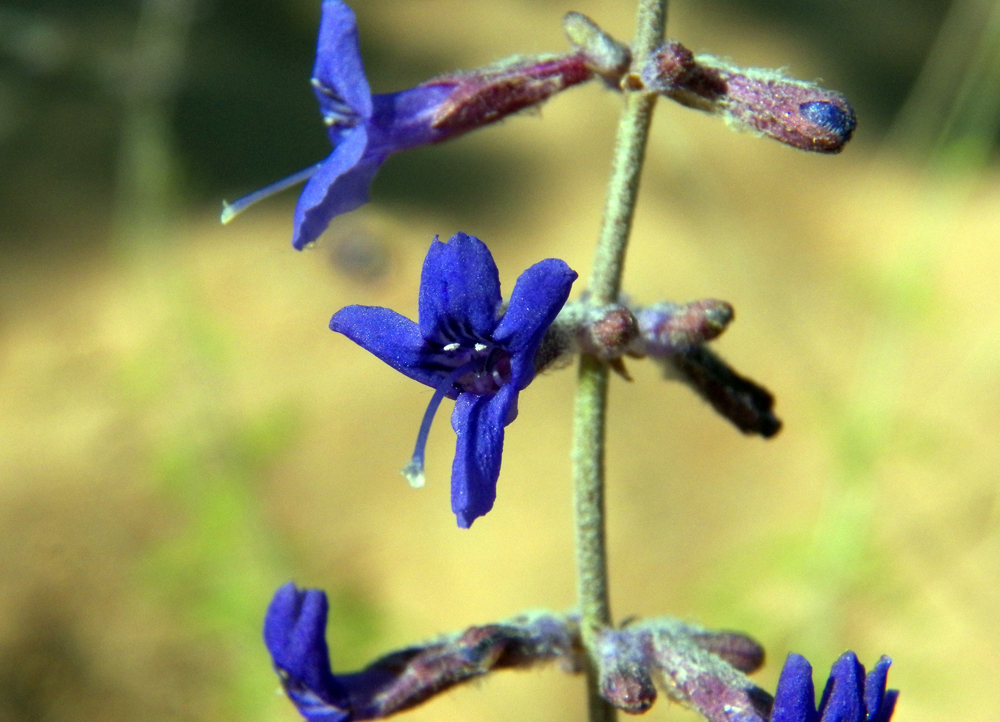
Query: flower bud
[(802, 115), (608, 331), (485, 95), (604, 55), (668, 328), (624, 670), (742, 652)]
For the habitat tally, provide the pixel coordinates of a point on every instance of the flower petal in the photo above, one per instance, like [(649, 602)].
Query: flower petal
[(875, 687), (479, 423), (888, 706), (405, 119), (340, 184), (795, 698), (294, 632), (338, 74), (459, 292), (390, 336), (539, 294), (843, 697)]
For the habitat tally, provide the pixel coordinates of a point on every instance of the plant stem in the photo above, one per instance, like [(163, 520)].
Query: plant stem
[(592, 388)]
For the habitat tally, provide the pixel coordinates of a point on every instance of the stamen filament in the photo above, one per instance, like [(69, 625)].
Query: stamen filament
[(414, 471), (231, 210)]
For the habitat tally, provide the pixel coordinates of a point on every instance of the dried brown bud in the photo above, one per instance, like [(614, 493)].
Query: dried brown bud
[(749, 406)]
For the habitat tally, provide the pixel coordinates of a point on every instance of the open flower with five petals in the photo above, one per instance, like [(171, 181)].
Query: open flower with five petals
[(468, 347)]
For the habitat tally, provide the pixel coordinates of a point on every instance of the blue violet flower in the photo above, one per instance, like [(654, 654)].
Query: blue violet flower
[(366, 129), (849, 696), (467, 347)]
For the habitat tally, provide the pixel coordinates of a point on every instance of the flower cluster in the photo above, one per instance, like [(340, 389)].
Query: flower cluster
[(701, 669), (470, 346), (366, 129)]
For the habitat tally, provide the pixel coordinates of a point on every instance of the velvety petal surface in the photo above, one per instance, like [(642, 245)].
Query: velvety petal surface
[(875, 687), (795, 698), (888, 706), (539, 294), (340, 184), (391, 337), (338, 68), (479, 423), (405, 119), (459, 292), (294, 632), (843, 698)]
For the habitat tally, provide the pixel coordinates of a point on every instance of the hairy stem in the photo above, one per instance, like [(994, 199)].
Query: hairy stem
[(591, 397)]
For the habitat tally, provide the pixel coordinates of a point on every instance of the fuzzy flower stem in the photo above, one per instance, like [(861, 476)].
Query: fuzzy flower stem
[(591, 398)]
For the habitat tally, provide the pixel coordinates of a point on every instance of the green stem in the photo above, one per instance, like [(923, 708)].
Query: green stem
[(592, 389)]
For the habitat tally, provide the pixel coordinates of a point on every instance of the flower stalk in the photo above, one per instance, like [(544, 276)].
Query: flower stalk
[(592, 383)]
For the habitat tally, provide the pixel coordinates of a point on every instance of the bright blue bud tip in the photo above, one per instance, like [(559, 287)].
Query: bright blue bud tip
[(828, 116)]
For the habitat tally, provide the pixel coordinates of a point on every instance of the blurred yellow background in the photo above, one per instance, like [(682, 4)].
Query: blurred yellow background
[(180, 433)]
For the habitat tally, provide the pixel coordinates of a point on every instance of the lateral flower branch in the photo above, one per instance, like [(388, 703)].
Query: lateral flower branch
[(366, 129), (698, 668)]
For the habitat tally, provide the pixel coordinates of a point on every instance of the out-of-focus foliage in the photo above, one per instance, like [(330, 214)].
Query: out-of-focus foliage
[(180, 434)]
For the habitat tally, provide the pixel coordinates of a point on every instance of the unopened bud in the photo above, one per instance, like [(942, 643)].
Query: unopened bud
[(802, 115), (668, 328), (624, 670), (605, 55), (608, 331), (486, 95), (741, 651)]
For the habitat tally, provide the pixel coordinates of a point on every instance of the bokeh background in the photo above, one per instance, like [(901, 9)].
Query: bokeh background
[(180, 433)]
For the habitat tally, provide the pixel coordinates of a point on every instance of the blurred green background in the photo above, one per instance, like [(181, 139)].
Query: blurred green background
[(180, 434)]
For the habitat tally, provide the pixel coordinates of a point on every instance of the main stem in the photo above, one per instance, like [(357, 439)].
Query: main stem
[(592, 388)]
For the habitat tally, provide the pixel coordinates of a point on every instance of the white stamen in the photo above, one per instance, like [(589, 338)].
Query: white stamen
[(453, 347), (480, 347)]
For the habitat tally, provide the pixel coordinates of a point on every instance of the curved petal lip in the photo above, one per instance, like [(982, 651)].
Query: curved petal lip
[(479, 423), (538, 296), (338, 71), (340, 184), (390, 337), (459, 292)]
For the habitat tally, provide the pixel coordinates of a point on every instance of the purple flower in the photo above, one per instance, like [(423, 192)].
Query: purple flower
[(468, 348), (849, 696), (404, 678), (294, 632), (366, 129)]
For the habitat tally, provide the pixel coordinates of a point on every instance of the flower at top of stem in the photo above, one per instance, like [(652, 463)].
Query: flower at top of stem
[(849, 696), (366, 129), (467, 347)]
